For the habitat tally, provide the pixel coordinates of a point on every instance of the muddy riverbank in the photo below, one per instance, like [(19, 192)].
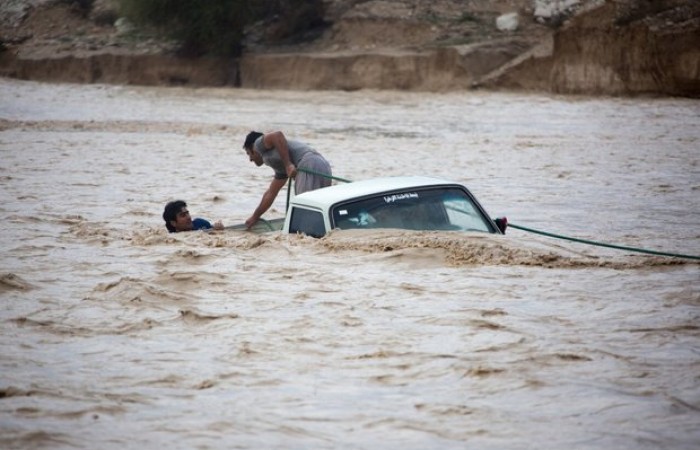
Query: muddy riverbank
[(604, 50)]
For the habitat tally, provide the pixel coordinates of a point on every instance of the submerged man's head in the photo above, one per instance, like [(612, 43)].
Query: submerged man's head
[(177, 217)]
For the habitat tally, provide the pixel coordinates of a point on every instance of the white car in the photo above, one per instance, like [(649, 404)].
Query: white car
[(409, 203)]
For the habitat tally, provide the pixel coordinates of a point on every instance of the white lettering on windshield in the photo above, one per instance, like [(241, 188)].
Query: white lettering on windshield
[(396, 197)]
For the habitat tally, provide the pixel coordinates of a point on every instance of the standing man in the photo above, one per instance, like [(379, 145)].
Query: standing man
[(285, 156)]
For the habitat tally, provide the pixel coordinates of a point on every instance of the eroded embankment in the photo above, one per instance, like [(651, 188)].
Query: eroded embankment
[(438, 69), (113, 68), (597, 53)]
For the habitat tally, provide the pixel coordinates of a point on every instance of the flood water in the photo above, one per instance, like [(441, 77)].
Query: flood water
[(116, 334)]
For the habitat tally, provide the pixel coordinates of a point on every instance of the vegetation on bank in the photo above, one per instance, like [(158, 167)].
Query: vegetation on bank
[(217, 27), (211, 27)]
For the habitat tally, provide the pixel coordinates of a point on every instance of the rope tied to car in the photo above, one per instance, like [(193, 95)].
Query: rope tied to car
[(325, 175), (602, 244), (312, 172), (532, 230)]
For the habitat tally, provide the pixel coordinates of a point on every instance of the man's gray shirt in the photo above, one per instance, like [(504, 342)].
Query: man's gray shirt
[(271, 157)]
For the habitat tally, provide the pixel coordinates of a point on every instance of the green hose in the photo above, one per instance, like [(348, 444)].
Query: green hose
[(325, 175), (602, 244)]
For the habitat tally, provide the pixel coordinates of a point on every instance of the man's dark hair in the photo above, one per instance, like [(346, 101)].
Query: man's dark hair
[(170, 213), (251, 138)]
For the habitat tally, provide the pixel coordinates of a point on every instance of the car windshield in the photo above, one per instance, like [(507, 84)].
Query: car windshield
[(436, 208)]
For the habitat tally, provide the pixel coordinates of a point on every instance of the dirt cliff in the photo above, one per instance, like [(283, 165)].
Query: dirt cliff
[(623, 47), (615, 50)]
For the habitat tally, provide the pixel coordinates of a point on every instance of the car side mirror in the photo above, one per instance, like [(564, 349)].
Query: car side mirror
[(502, 224)]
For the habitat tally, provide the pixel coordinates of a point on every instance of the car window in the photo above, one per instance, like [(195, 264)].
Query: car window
[(441, 208), (463, 213), (307, 221)]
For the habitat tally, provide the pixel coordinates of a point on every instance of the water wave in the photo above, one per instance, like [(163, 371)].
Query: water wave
[(462, 249), (10, 282), (194, 317), (134, 292), (450, 248), (123, 126)]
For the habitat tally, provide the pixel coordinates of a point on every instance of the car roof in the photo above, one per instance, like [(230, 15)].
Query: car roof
[(326, 197)]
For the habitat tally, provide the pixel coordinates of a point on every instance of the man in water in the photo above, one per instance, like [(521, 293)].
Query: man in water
[(177, 218), (285, 156)]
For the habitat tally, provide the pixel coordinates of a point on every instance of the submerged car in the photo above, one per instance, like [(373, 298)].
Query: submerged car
[(409, 203)]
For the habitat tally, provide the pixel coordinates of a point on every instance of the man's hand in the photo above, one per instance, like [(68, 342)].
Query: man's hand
[(291, 170), (250, 222)]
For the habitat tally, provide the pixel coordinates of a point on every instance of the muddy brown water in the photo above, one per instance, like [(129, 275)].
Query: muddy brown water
[(116, 334)]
